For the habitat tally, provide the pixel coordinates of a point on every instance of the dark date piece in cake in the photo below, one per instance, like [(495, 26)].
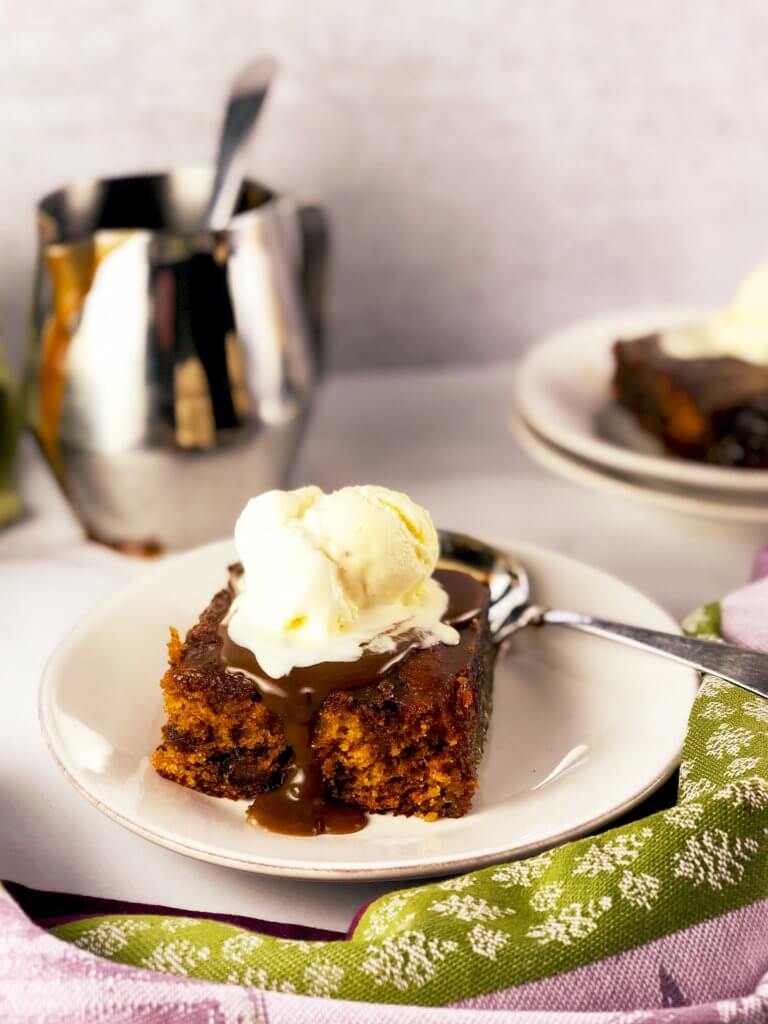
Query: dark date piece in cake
[(711, 410)]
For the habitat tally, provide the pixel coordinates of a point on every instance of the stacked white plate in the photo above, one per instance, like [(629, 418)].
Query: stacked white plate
[(567, 419)]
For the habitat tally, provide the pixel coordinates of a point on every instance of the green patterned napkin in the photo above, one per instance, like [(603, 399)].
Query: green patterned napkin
[(467, 938)]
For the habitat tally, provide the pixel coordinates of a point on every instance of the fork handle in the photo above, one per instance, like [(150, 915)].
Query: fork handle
[(744, 668)]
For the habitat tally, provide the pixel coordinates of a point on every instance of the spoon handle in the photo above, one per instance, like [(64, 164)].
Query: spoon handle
[(745, 668), (249, 90)]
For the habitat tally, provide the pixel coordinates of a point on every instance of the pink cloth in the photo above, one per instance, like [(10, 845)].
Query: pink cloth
[(745, 611)]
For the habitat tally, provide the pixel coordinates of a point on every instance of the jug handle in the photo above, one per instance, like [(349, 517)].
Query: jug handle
[(313, 272)]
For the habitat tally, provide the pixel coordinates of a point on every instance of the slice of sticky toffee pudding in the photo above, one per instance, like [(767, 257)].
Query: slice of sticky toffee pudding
[(339, 672), (401, 731)]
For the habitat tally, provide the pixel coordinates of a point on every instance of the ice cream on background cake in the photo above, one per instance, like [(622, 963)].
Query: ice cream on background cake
[(339, 672)]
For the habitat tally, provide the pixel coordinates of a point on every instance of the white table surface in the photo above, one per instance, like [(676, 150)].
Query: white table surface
[(441, 436)]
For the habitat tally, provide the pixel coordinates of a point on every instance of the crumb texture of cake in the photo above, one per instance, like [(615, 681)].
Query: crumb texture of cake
[(412, 743), (219, 737), (712, 410)]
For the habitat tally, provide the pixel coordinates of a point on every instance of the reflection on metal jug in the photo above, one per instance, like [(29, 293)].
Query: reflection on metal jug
[(171, 369)]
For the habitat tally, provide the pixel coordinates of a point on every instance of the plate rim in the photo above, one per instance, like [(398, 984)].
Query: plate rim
[(593, 476), (598, 450), (450, 864)]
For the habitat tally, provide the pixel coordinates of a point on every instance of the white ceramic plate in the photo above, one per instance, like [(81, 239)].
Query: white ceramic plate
[(690, 502), (581, 731), (563, 391)]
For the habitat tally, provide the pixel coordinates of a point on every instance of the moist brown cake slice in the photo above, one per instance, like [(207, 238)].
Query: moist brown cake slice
[(219, 737), (409, 743), (711, 410), (412, 743)]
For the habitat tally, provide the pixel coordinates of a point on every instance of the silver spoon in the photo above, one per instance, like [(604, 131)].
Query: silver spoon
[(511, 610), (246, 99)]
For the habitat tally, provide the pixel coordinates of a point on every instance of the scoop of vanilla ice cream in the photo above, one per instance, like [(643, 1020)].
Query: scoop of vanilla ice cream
[(288, 582), (739, 330), (328, 575), (383, 544)]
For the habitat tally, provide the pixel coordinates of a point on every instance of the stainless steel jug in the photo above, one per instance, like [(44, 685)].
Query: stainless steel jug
[(171, 370)]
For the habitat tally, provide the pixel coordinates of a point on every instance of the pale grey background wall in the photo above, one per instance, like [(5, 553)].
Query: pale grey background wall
[(493, 167)]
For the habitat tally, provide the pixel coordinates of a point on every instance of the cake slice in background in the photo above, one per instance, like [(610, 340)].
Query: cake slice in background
[(702, 388)]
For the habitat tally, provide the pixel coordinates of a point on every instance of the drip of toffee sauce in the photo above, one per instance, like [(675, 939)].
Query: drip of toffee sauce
[(300, 805)]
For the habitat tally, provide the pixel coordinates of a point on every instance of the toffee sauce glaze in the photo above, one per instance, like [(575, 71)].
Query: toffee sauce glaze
[(300, 805)]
